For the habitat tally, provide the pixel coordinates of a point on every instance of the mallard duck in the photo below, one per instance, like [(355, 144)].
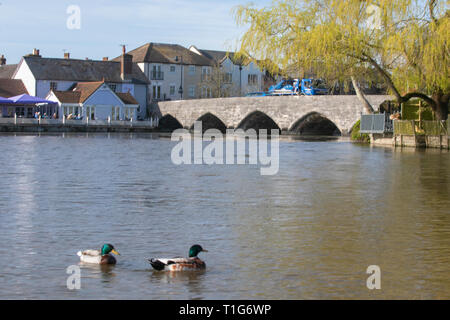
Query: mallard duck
[(101, 256), (180, 264)]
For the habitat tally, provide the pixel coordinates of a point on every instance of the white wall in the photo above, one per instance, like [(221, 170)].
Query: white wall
[(170, 78), (103, 100), (43, 87), (251, 68), (24, 73), (138, 91)]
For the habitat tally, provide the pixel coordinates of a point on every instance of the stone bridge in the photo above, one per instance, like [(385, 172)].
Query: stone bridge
[(328, 114)]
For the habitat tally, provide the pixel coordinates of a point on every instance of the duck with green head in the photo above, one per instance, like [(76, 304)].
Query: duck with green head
[(102, 256), (181, 264)]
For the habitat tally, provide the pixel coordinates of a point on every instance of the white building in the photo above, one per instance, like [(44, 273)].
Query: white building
[(243, 76), (169, 67), (94, 101), (41, 75)]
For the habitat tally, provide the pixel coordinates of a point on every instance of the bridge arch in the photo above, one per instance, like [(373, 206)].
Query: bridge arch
[(169, 123), (211, 121), (315, 123), (257, 120)]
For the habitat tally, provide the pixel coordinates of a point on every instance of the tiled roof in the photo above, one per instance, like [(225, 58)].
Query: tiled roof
[(7, 70), (219, 56), (127, 98), (83, 90), (68, 96), (11, 88), (87, 89), (167, 53), (80, 70)]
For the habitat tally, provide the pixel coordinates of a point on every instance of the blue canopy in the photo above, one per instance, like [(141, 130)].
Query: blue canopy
[(27, 99), (5, 100)]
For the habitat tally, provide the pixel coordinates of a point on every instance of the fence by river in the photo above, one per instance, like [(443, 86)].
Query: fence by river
[(415, 127), (427, 134), (64, 125), (408, 133)]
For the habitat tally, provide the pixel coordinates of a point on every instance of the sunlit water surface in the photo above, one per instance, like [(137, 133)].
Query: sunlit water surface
[(309, 232)]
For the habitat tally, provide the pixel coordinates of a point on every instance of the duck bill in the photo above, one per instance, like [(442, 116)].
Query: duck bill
[(115, 252), (204, 250)]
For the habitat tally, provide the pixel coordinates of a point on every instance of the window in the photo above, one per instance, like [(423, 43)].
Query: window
[(156, 73), (192, 91), (90, 113), (206, 92), (113, 87), (53, 86), (206, 73), (156, 92), (252, 79), (115, 113), (128, 113), (172, 90), (71, 110), (227, 77), (172, 68), (191, 70)]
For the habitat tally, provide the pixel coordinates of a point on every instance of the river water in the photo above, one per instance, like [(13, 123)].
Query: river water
[(308, 232)]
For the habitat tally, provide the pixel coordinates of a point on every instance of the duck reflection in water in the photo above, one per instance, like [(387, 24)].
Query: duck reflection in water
[(103, 271), (175, 277)]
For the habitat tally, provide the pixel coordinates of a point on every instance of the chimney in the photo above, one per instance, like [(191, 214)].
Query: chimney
[(126, 64), (105, 58), (36, 52), (2, 60), (66, 55)]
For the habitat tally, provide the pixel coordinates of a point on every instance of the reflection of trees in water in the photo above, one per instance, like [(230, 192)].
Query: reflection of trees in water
[(417, 231), (434, 175)]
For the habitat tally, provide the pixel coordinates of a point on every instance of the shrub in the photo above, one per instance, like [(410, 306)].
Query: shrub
[(357, 136)]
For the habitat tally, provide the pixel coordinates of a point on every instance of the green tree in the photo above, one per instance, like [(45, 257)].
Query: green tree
[(403, 42)]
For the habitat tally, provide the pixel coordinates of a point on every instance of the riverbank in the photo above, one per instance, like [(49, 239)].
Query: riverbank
[(413, 141), (377, 129)]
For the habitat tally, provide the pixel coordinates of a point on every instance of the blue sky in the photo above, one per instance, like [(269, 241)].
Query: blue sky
[(105, 24)]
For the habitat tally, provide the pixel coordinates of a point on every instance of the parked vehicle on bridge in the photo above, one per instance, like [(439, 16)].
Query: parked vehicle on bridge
[(286, 87), (290, 87), (312, 87)]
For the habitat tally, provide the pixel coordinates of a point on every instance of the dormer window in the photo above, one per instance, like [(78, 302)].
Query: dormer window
[(53, 86), (113, 87)]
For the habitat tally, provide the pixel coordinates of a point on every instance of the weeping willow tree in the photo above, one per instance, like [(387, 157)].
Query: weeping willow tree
[(405, 43)]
